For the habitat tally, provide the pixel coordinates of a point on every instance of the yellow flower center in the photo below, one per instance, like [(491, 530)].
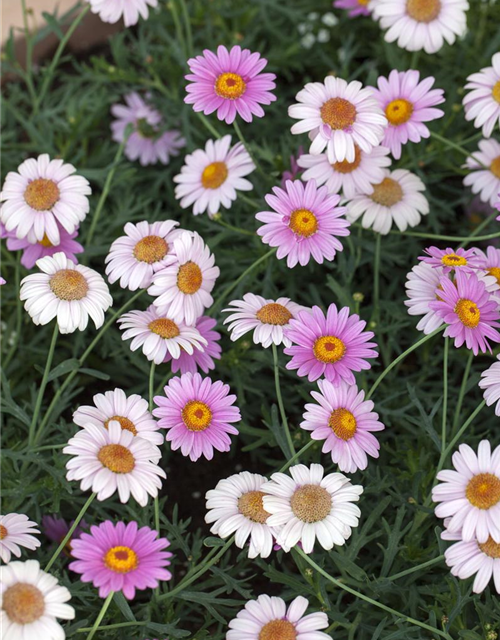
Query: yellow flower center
[(274, 313), (495, 271), (189, 278), (495, 92), (150, 249), (125, 423), (230, 86), (468, 313), (69, 284), (45, 242), (452, 260), (490, 548), (363, 2), (41, 194), (251, 506), (303, 222), (483, 490), (399, 111), (278, 630), (423, 10), (121, 559), (196, 415), (338, 113), (348, 167), (329, 349), (164, 327), (311, 503), (343, 424), (116, 458), (214, 175), (495, 167), (23, 603), (387, 193), (3, 532)]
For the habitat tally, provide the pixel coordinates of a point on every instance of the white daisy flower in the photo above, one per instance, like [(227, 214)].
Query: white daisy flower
[(211, 177), (338, 115), (130, 10), (422, 283), (421, 24), (490, 383), (39, 195), (145, 249), (396, 198), (30, 603), (268, 319), (113, 459), (131, 412), (235, 505), (485, 182), (182, 290), (16, 531), (349, 177), (309, 506), (68, 291), (268, 618), (482, 103), (159, 336)]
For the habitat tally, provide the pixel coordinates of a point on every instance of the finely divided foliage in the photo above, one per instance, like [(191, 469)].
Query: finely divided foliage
[(251, 323)]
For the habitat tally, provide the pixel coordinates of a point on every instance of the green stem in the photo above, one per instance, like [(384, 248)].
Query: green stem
[(459, 434), (406, 572), (461, 394), (101, 615), (19, 316), (431, 236), (236, 229), (376, 278), (118, 625), (29, 53), (402, 356), (157, 514), (479, 228), (67, 537), (206, 122), (362, 596), (187, 24), (457, 147), (296, 456), (178, 26), (163, 383), (445, 393), (41, 391), (280, 400), (151, 384), (241, 138)]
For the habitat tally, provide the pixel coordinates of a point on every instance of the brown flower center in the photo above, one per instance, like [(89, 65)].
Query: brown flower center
[(311, 503), (387, 193), (125, 423), (329, 349), (399, 111), (230, 86), (251, 506), (196, 415), (338, 113), (348, 167), (41, 194), (69, 284), (274, 313), (483, 490), (343, 424), (214, 175), (164, 327), (495, 167), (116, 458), (121, 559), (189, 278), (303, 222), (278, 630), (150, 249), (423, 10), (495, 271), (23, 603), (495, 92), (468, 313), (490, 548)]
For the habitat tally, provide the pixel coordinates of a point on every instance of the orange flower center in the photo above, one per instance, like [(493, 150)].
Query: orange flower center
[(274, 313), (121, 559), (278, 630), (189, 278), (214, 175), (495, 271), (164, 327), (230, 86), (329, 349), (343, 424), (3, 532), (251, 506), (399, 111), (45, 242), (423, 10), (348, 167), (495, 92), (41, 194), (495, 167), (69, 284), (23, 603), (311, 503), (387, 193), (125, 423), (303, 222), (468, 313), (150, 249), (196, 415), (116, 458), (483, 490), (490, 548), (338, 113)]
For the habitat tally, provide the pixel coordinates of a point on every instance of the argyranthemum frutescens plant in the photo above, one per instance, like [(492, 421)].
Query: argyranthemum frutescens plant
[(252, 441)]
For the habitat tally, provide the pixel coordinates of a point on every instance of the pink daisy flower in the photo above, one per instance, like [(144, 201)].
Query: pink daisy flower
[(44, 247), (481, 180), (2, 281), (56, 530), (470, 496), (16, 531), (469, 310), (407, 104), (198, 414), (490, 261), (354, 7), (482, 103), (230, 83), (448, 259), (144, 249), (304, 222), (332, 346), (200, 358), (344, 420), (112, 10), (148, 142), (121, 557), (473, 558), (421, 285), (490, 383), (292, 173)]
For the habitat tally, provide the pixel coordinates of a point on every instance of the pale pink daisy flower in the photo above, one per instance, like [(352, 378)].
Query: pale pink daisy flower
[(16, 531), (350, 178), (66, 291), (338, 115), (304, 223), (354, 8), (421, 24), (235, 506), (212, 176), (56, 530), (130, 411), (332, 345), (469, 310), (112, 459), (422, 284), (2, 281), (292, 173), (446, 260), (158, 335), (407, 103), (484, 178), (130, 10), (33, 252), (344, 420), (144, 249), (182, 290), (309, 506), (41, 194), (467, 559), (200, 358), (490, 383), (470, 496), (229, 82), (397, 198), (482, 103), (148, 142), (267, 319), (121, 557), (198, 414), (268, 618)]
